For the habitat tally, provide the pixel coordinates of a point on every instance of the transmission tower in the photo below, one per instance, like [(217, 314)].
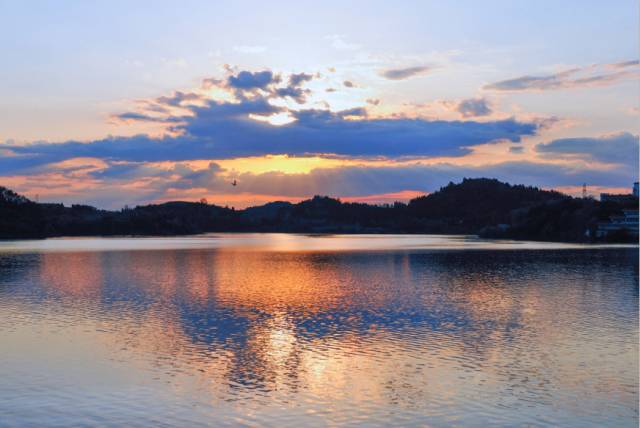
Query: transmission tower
[(584, 191)]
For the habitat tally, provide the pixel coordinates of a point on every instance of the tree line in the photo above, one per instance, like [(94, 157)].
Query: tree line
[(482, 206)]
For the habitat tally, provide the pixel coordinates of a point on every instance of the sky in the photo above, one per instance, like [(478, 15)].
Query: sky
[(125, 103)]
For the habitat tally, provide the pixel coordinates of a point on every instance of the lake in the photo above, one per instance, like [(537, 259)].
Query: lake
[(293, 330)]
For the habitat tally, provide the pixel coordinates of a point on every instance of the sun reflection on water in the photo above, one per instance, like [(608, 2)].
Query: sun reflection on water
[(425, 336)]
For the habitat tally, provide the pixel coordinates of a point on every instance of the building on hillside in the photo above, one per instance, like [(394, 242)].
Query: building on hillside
[(621, 198), (628, 221)]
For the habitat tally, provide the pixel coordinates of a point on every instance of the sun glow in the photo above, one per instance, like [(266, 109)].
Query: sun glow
[(275, 119), (278, 163)]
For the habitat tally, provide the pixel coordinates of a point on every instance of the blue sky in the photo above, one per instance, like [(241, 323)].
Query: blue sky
[(78, 76)]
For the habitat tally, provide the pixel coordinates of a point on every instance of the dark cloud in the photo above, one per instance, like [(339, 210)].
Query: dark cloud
[(373, 101), (528, 83), (585, 77), (298, 79), (404, 73), (516, 149), (251, 83), (474, 107), (143, 117), (209, 129), (161, 182), (366, 180), (33, 157), (326, 132), (133, 170), (220, 130), (619, 148), (294, 90), (252, 80), (349, 84), (299, 95), (178, 98)]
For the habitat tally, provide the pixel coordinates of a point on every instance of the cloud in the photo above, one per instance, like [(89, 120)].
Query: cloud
[(297, 94), (265, 83), (222, 131), (158, 110), (404, 73), (140, 117), (253, 80), (474, 107), (297, 79), (226, 132), (349, 84), (619, 148), (178, 98), (149, 179), (294, 90), (205, 128), (584, 77), (470, 109), (136, 170), (351, 181)]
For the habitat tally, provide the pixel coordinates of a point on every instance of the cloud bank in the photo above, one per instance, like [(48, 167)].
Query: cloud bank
[(582, 77), (158, 182), (404, 73), (622, 148), (474, 107), (205, 128), (201, 127)]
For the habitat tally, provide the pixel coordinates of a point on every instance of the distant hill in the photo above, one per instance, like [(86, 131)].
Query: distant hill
[(481, 206), (9, 197), (266, 214), (475, 203), (19, 217)]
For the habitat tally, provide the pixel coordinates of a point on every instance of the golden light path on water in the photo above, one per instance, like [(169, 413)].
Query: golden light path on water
[(296, 330)]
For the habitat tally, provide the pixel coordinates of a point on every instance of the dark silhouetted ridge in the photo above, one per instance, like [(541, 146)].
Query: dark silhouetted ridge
[(481, 206)]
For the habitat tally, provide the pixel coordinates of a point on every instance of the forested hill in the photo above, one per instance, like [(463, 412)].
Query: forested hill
[(474, 206), (475, 203)]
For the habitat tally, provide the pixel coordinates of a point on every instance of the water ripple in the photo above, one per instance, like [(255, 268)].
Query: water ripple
[(194, 336)]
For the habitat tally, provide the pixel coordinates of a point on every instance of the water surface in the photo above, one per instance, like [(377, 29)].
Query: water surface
[(292, 330)]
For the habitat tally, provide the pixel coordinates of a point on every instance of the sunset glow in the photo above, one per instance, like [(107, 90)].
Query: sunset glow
[(350, 115)]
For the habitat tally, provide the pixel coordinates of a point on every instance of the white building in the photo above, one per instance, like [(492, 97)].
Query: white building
[(629, 221)]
